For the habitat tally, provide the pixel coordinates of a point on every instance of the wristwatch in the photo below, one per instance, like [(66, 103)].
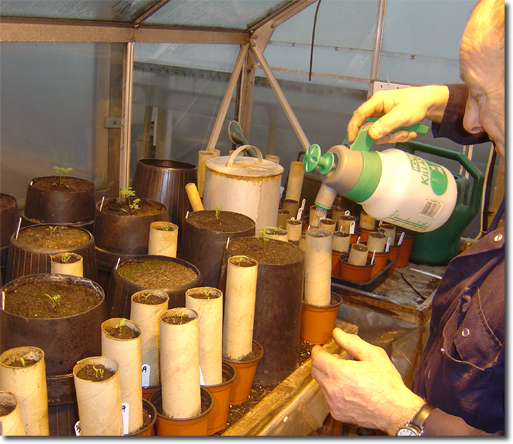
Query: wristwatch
[(415, 427)]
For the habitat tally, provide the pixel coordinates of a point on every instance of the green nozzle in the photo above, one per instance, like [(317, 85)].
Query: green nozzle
[(313, 158)]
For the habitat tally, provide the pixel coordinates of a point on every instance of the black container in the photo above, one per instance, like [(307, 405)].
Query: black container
[(277, 307), (164, 180), (26, 259), (120, 290), (64, 342), (205, 247)]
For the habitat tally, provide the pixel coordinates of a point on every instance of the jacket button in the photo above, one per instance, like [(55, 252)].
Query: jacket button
[(498, 238), (465, 332)]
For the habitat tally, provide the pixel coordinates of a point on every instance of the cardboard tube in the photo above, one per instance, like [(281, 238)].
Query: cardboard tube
[(336, 212), (345, 222), (302, 242), (358, 254), (292, 206), (210, 324), (294, 228), (318, 248), (75, 268), (99, 402), (163, 242), (11, 424), (274, 233), (202, 157), (327, 224), (367, 221), (146, 316), (28, 384), (194, 197), (341, 241), (127, 352), (179, 365), (283, 215), (295, 181), (239, 314), (376, 241), (389, 231)]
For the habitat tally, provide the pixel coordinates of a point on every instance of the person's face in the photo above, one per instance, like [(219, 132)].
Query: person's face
[(482, 70)]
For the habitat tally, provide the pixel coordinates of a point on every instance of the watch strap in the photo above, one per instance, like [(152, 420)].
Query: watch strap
[(420, 417)]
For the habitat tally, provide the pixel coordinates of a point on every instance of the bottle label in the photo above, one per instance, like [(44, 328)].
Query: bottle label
[(431, 208), (431, 174)]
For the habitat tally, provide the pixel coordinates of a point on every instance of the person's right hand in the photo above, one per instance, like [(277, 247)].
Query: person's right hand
[(399, 107)]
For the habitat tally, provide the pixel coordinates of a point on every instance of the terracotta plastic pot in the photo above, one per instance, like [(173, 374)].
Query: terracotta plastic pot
[(357, 234), (147, 391), (380, 262), (393, 254), (335, 265), (365, 234), (355, 273), (221, 392), (197, 426), (317, 322), (245, 373), (405, 249), (149, 430)]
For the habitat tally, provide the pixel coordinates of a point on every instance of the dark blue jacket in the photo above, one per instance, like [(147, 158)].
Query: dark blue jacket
[(462, 369)]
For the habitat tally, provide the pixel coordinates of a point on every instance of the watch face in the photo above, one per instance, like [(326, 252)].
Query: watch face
[(405, 431)]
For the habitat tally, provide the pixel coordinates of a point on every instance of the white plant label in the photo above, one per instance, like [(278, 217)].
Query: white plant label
[(145, 376), (77, 428), (202, 381), (125, 415)]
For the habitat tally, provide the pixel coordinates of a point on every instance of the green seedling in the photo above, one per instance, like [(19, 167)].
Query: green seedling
[(65, 257), (218, 212), (55, 299), (207, 293), (239, 261), (23, 362), (99, 371), (61, 172), (51, 229), (166, 227), (120, 324), (263, 240), (132, 204), (145, 296)]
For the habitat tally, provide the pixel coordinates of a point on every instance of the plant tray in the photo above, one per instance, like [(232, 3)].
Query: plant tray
[(371, 284)]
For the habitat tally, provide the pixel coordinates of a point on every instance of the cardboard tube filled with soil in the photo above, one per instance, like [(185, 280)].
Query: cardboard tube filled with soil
[(121, 340), (358, 254), (98, 389), (376, 242), (145, 309), (179, 363), (341, 241), (23, 373), (367, 221), (274, 233), (295, 181), (67, 263), (318, 246), (239, 314), (194, 197), (208, 303), (163, 239), (11, 423), (294, 228), (389, 231), (327, 224)]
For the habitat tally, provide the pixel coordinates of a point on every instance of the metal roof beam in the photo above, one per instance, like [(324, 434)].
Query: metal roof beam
[(16, 29)]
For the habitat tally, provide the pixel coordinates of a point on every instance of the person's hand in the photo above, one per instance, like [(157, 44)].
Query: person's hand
[(368, 392), (399, 107)]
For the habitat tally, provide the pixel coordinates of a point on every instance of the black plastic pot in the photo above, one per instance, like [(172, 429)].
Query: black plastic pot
[(64, 342), (59, 205), (120, 290), (164, 181), (205, 248), (118, 236), (277, 307), (26, 259)]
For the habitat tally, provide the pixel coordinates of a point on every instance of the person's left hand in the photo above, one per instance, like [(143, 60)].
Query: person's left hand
[(368, 392)]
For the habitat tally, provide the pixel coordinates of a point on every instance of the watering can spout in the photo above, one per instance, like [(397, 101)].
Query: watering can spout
[(237, 137)]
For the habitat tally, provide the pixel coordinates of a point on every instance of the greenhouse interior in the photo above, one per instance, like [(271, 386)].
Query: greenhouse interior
[(191, 159)]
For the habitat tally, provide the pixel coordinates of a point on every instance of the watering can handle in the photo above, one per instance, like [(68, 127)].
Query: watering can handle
[(242, 148)]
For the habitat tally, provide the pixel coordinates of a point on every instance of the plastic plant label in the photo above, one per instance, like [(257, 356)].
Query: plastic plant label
[(125, 415), (202, 381), (77, 428), (145, 375)]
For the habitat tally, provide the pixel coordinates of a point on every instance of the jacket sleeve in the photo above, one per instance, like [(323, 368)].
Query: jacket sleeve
[(452, 122), (439, 423)]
